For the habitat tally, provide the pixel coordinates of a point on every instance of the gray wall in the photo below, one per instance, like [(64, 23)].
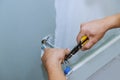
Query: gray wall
[(110, 71), (23, 23)]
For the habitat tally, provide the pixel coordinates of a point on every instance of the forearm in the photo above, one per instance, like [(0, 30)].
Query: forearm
[(55, 72), (113, 21)]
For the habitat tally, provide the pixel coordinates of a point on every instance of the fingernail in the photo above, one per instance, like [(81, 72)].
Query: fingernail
[(67, 49)]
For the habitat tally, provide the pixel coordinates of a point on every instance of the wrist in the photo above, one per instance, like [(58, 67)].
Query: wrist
[(50, 66), (54, 68), (55, 72), (112, 22)]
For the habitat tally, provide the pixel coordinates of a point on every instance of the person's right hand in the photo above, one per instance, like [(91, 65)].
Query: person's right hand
[(94, 30)]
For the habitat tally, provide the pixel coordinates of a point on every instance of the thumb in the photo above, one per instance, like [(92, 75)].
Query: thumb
[(67, 51)]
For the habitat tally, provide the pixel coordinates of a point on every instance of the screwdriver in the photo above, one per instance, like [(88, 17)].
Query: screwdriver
[(83, 41)]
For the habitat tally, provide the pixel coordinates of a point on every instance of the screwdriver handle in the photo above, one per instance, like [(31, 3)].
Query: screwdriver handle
[(83, 41)]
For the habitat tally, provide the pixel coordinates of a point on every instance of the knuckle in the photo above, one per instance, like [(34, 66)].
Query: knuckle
[(42, 58), (86, 47), (78, 38), (93, 42), (84, 29), (47, 49), (83, 24), (92, 33)]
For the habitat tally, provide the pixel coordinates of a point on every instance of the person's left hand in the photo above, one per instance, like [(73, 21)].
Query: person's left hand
[(54, 57)]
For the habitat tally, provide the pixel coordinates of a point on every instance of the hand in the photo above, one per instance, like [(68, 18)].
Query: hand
[(54, 56), (94, 30), (52, 60)]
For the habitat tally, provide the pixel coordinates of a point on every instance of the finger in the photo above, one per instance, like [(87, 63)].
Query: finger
[(79, 36), (81, 33), (47, 49), (67, 51), (88, 45)]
